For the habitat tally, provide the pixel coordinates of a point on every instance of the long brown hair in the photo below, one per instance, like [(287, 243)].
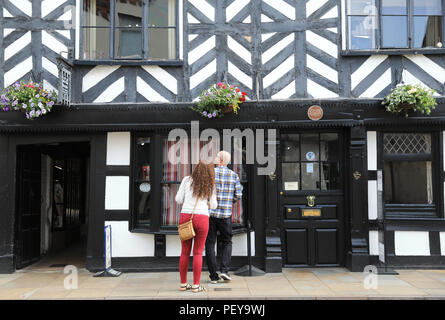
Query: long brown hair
[(203, 180)]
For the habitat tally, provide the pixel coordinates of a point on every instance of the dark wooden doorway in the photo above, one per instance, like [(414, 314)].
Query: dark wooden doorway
[(28, 205), (312, 165)]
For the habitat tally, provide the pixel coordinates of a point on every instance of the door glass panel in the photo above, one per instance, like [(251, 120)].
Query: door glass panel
[(310, 179), (309, 147), (329, 146), (291, 176), (290, 147), (330, 177)]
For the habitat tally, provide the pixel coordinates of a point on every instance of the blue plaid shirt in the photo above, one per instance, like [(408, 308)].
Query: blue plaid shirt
[(228, 190)]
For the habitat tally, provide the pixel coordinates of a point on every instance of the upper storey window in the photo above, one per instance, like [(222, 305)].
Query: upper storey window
[(129, 29), (394, 24)]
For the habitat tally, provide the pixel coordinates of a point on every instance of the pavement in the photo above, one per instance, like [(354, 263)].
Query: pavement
[(44, 283)]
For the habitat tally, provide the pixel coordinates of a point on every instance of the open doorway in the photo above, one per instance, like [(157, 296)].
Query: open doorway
[(52, 183)]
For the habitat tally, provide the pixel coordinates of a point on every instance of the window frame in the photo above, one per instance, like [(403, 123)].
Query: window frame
[(341, 163), (390, 50), (145, 59), (416, 211), (156, 178)]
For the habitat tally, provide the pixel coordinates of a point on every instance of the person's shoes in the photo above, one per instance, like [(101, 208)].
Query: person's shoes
[(214, 281), (225, 276)]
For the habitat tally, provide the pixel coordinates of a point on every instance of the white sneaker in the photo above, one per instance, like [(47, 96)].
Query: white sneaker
[(225, 276), (215, 281)]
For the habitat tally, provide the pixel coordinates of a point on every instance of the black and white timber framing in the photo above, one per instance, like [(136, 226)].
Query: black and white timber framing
[(286, 54)]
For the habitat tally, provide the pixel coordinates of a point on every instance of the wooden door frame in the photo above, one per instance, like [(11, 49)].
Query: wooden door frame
[(95, 211), (343, 144)]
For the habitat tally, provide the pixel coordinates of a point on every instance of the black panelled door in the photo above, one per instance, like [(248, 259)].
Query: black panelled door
[(312, 199), (28, 197)]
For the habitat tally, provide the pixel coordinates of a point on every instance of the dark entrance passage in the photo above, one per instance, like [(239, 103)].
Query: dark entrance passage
[(312, 199), (51, 203)]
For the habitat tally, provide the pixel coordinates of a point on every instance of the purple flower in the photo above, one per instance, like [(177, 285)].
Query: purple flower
[(204, 113), (210, 115), (27, 115), (49, 95), (6, 109), (38, 113), (214, 113), (229, 95), (37, 96), (24, 106), (31, 113), (43, 111)]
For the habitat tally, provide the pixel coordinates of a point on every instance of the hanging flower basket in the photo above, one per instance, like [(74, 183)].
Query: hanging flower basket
[(407, 98), (218, 100), (29, 98)]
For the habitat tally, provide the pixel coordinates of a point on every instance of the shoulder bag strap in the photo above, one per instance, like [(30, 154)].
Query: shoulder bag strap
[(193, 212)]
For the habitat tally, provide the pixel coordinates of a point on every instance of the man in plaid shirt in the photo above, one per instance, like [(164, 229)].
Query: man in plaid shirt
[(228, 191)]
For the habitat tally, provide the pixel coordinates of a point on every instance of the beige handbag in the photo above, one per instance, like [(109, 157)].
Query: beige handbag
[(185, 229)]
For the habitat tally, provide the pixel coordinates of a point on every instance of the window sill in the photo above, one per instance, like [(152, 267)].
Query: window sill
[(173, 231), (353, 53), (168, 63)]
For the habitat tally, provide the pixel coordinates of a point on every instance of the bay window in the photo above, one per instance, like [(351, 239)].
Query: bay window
[(389, 24), (153, 170), (409, 174), (118, 29)]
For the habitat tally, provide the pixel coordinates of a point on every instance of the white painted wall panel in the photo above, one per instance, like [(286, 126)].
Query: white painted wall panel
[(442, 243), (371, 142), (117, 193), (118, 148), (239, 245), (412, 243), (372, 199), (373, 243), (128, 244)]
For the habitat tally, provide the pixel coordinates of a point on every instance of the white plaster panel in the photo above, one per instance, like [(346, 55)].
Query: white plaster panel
[(117, 193), (371, 141), (118, 148), (373, 243), (173, 246), (239, 245), (442, 243), (128, 244), (412, 243), (372, 199)]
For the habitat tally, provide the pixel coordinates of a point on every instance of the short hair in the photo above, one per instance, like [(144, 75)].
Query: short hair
[(224, 157)]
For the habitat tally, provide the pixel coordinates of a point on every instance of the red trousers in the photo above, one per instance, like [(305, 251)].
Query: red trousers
[(201, 226)]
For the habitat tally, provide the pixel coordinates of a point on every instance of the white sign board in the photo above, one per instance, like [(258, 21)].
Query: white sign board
[(107, 247)]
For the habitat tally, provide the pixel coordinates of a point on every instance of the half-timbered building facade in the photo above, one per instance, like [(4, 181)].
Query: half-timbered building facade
[(136, 66)]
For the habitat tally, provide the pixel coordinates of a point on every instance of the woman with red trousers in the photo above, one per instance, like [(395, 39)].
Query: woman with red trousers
[(197, 193)]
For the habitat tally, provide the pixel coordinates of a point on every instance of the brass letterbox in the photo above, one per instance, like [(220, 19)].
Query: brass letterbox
[(311, 212)]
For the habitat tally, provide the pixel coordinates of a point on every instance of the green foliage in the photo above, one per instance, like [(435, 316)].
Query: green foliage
[(28, 97), (406, 97), (222, 95)]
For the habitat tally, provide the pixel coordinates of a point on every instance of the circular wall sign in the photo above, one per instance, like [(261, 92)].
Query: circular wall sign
[(315, 113)]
